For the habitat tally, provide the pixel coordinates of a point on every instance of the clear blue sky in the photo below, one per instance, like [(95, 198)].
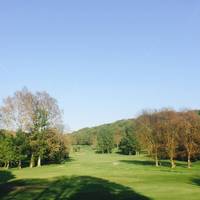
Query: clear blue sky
[(102, 60)]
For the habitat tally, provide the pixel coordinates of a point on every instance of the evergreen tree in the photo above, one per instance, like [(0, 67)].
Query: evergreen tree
[(129, 144), (105, 141)]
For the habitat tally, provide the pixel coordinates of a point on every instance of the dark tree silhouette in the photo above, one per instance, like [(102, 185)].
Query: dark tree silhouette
[(70, 188)]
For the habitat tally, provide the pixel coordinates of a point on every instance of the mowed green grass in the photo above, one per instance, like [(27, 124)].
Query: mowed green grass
[(94, 176)]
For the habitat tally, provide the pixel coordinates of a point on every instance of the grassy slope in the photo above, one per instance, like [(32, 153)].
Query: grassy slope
[(95, 176)]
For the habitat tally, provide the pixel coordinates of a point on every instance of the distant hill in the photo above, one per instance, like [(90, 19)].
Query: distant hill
[(87, 135)]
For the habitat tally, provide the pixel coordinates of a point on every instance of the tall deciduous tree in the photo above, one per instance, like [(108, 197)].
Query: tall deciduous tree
[(16, 112), (149, 135), (46, 114), (190, 129), (170, 126)]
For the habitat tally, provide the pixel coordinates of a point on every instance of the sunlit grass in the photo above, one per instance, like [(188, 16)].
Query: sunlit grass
[(135, 172)]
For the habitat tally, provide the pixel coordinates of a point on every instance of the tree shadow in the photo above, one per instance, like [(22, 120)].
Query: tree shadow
[(69, 188), (164, 163), (46, 162), (123, 154), (139, 162), (70, 159), (5, 176), (196, 181)]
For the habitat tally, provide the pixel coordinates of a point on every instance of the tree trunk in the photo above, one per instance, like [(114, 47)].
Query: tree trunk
[(8, 165), (32, 161), (156, 160), (173, 163), (189, 160), (39, 161), (20, 164)]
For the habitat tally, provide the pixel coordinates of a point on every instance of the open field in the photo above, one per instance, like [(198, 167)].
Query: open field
[(105, 177)]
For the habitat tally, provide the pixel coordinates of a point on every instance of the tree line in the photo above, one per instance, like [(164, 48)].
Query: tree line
[(31, 130), (162, 134), (31, 133), (170, 134)]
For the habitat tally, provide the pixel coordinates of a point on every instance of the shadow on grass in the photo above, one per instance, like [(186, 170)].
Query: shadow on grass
[(196, 181), (45, 162), (5, 176), (70, 159), (124, 154), (164, 163), (69, 188)]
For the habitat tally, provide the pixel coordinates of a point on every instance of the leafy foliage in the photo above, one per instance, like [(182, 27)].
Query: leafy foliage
[(35, 121), (129, 144), (105, 137), (105, 142), (170, 134)]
